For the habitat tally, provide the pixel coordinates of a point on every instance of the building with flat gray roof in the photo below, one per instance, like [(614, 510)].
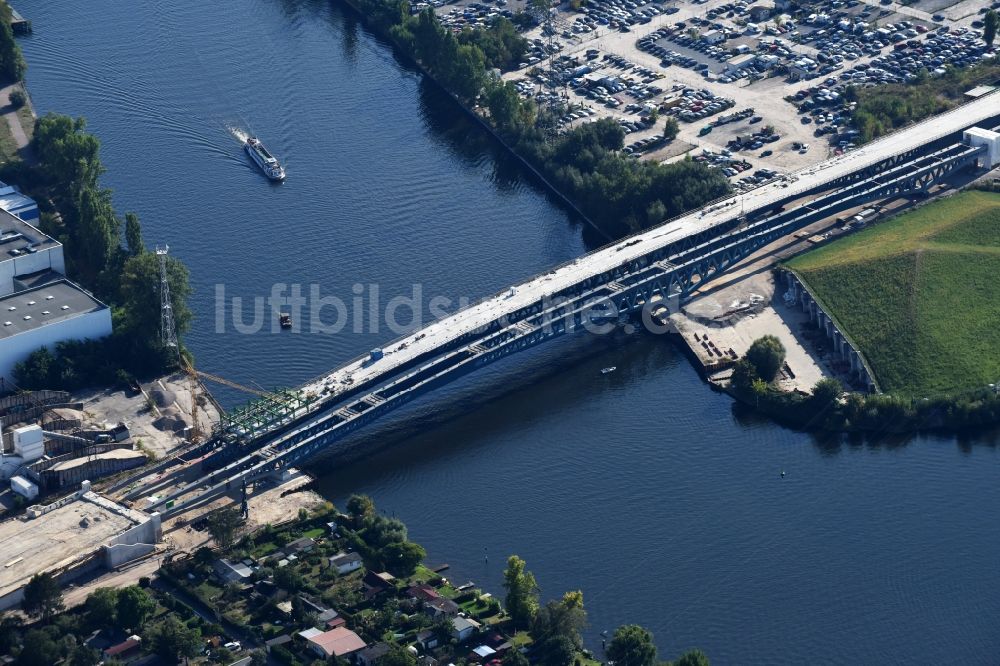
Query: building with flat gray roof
[(79, 533), (27, 256), (44, 315)]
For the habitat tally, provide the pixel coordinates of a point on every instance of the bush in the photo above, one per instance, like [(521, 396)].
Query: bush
[(18, 99), (767, 355)]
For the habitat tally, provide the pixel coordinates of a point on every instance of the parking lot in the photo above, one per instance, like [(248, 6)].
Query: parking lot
[(726, 75)]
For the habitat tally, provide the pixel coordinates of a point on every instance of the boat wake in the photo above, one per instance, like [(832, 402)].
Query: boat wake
[(240, 134)]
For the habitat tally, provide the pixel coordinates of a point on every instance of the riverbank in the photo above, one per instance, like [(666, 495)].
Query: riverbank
[(585, 165), (480, 121)]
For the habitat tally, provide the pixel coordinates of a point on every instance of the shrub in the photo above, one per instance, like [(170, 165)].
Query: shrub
[(18, 99)]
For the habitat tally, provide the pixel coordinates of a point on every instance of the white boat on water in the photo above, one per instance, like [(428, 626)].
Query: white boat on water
[(267, 162), (607, 371)]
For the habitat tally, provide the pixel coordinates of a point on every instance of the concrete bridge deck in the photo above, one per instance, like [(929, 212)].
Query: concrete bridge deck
[(634, 247), (698, 243)]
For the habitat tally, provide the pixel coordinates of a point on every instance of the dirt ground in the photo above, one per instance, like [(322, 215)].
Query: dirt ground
[(267, 507), (175, 400)]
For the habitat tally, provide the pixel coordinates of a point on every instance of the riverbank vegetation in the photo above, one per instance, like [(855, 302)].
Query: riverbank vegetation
[(105, 254), (585, 164), (12, 64), (828, 407), (884, 109)]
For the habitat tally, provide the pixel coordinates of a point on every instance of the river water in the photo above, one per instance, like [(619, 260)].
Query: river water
[(656, 496)]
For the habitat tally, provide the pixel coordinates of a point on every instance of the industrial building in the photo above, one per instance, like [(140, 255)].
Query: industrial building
[(44, 315), (28, 257), (77, 534), (15, 203)]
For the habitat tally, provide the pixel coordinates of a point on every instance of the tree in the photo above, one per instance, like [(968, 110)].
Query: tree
[(133, 235), (84, 656), (12, 63), (522, 592), (224, 525), (380, 531), (10, 628), (101, 607), (565, 617), (826, 392), (692, 658), (767, 355), (557, 651), (172, 639), (759, 388), (42, 596), (140, 296), (397, 656), (18, 98), (134, 607), (360, 507), (514, 657), (671, 128), (67, 154), (990, 24), (744, 375), (402, 558), (288, 578), (632, 646), (39, 649)]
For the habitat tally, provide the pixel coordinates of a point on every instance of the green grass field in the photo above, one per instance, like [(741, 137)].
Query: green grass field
[(919, 294)]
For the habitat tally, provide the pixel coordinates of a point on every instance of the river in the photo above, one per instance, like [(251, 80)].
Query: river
[(658, 498)]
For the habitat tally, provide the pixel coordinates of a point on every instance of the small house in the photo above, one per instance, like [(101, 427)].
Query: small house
[(301, 545), (231, 572), (371, 654), (740, 62), (422, 592), (345, 563), (277, 641), (427, 640), (340, 642), (762, 11), (124, 651), (463, 628), (378, 582), (714, 36), (441, 607)]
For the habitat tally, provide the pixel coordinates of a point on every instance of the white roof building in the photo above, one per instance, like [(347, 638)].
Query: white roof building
[(45, 315), (27, 256)]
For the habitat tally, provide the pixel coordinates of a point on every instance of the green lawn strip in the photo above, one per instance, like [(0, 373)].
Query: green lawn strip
[(918, 294), (901, 234), (959, 313)]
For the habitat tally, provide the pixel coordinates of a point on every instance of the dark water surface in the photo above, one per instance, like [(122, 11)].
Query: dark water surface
[(643, 488)]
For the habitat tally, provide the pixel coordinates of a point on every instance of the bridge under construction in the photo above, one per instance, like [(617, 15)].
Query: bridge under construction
[(648, 272)]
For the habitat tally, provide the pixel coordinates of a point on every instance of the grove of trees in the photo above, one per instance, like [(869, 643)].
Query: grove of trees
[(104, 254), (586, 163)]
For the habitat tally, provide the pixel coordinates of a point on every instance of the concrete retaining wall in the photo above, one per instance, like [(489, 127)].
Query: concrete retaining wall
[(843, 348)]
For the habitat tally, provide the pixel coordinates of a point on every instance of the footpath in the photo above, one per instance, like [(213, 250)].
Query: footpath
[(14, 121)]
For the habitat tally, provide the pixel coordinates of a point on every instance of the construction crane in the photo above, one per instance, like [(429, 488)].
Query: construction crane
[(226, 382)]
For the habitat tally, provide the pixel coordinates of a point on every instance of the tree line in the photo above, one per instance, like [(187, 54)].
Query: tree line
[(586, 164), (12, 64), (106, 254), (556, 628)]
